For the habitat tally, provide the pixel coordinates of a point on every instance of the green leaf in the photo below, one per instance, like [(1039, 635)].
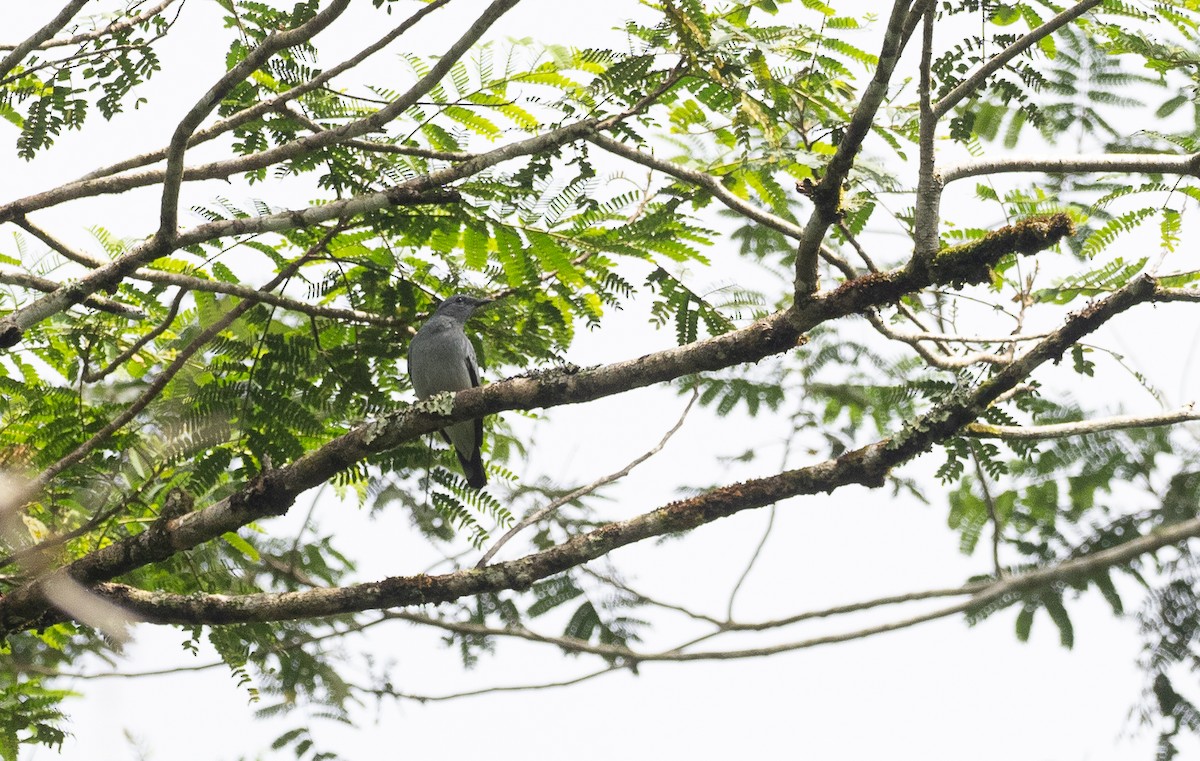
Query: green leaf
[(1025, 622), (1058, 614), (241, 545)]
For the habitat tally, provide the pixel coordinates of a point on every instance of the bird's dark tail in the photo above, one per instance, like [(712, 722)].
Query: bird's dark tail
[(473, 469)]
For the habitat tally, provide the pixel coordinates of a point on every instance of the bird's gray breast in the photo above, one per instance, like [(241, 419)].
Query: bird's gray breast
[(440, 358)]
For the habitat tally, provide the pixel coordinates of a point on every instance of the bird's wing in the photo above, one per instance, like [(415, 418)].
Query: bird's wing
[(473, 372), (472, 367)]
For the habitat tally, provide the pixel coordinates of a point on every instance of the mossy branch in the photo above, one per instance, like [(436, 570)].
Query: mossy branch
[(971, 263)]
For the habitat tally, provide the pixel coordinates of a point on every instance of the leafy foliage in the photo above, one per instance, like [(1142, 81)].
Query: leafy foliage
[(227, 358)]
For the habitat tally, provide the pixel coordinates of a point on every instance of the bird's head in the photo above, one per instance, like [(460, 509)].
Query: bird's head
[(460, 306)]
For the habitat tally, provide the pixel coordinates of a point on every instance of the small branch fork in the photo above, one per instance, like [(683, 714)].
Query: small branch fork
[(827, 194)]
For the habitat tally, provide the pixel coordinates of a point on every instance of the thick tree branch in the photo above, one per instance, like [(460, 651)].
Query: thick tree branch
[(153, 604), (273, 492)]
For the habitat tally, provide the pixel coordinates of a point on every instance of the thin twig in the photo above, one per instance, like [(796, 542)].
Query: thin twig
[(33, 668), (643, 598), (762, 542), (1185, 414), (45, 285), (993, 516), (390, 693), (90, 376)]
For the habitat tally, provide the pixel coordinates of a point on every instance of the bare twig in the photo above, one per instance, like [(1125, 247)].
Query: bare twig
[(1084, 427), (993, 516), (955, 338), (1141, 163), (33, 668), (392, 693)]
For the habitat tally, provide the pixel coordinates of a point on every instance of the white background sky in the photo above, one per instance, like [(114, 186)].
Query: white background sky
[(939, 691)]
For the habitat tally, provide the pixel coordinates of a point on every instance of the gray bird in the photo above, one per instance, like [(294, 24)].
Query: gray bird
[(441, 358)]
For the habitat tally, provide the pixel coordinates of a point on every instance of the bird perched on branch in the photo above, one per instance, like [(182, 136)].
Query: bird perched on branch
[(441, 358)]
